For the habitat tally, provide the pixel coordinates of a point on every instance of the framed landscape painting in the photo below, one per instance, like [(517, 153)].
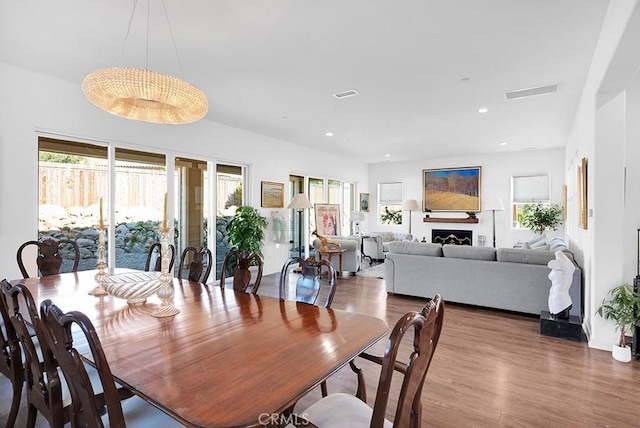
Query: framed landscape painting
[(272, 195), (452, 189)]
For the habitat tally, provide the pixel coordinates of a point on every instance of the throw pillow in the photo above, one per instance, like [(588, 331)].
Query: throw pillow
[(538, 240)]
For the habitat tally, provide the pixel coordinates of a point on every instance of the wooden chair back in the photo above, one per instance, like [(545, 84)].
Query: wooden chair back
[(43, 388), (308, 285), (426, 325), (241, 274), (49, 259), (10, 357), (156, 248), (86, 408), (200, 265)]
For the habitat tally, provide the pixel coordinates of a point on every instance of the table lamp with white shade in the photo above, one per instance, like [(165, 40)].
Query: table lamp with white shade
[(410, 205), (299, 203), (494, 205), (356, 217)]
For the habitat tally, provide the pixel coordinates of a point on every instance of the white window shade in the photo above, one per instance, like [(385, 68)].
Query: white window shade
[(531, 189), (390, 193)]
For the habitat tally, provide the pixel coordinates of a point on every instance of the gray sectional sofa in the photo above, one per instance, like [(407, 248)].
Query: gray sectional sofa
[(505, 278)]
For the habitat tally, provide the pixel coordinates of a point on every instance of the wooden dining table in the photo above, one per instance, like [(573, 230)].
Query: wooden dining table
[(227, 359)]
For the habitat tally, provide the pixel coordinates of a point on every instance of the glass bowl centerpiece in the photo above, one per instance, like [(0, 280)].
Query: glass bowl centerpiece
[(135, 287)]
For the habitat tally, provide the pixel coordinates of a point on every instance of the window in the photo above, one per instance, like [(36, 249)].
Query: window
[(316, 196), (528, 190), (73, 178), (390, 203)]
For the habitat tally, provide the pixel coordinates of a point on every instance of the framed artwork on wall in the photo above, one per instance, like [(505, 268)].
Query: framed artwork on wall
[(327, 219), (583, 206), (272, 194), (364, 202), (452, 189)]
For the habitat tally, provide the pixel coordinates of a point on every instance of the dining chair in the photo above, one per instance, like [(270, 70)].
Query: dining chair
[(156, 251), (199, 266), (351, 410), (87, 409), (239, 263), (46, 389), (309, 283), (10, 359), (49, 258)]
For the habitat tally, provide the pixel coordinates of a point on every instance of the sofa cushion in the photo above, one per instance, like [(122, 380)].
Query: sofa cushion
[(469, 252), (522, 255), (387, 237), (415, 248)]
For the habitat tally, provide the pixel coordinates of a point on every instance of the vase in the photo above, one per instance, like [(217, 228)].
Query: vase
[(621, 353)]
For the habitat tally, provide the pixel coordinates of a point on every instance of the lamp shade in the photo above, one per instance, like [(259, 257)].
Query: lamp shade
[(356, 216), (299, 202), (410, 205), (494, 204)]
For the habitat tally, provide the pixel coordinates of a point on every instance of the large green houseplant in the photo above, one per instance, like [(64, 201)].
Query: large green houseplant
[(619, 308), (540, 217), (246, 230)]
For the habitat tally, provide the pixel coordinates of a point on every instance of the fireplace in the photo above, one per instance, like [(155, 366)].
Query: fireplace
[(448, 236)]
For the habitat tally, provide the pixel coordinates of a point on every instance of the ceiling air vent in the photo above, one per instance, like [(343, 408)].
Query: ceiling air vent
[(531, 92), (346, 94)]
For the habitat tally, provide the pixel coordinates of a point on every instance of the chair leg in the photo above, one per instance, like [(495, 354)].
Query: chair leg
[(31, 416), (323, 388), (15, 404)]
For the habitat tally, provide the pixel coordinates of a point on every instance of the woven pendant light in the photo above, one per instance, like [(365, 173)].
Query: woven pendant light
[(145, 95)]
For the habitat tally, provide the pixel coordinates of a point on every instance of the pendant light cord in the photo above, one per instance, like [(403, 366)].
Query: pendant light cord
[(173, 40)]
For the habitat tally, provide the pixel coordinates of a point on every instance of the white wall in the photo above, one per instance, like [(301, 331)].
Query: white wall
[(31, 103), (607, 135), (497, 171)]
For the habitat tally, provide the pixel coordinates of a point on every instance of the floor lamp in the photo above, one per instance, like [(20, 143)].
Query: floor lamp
[(300, 203), (494, 205), (410, 205)]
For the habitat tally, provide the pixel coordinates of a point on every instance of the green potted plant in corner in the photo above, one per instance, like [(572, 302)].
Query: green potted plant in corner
[(620, 309), (540, 217), (246, 230)]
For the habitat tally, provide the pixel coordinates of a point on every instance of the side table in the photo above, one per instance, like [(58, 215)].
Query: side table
[(364, 256), (329, 253)]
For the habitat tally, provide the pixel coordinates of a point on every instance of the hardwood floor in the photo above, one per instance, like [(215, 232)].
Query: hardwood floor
[(490, 369)]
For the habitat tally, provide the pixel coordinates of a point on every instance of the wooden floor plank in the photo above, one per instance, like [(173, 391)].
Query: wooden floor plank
[(491, 368)]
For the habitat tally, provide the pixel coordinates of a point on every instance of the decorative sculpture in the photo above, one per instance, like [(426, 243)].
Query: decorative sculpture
[(324, 241), (561, 276)]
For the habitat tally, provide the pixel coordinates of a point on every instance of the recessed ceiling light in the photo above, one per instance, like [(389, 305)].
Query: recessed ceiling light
[(329, 134), (483, 110), (502, 143), (387, 155)]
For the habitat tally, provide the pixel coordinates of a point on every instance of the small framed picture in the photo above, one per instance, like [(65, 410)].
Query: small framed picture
[(364, 202), (272, 194)]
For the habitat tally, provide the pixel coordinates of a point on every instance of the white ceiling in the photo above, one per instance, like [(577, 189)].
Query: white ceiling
[(271, 66)]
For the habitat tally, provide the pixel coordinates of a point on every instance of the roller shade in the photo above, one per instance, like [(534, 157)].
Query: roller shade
[(531, 189), (390, 193)]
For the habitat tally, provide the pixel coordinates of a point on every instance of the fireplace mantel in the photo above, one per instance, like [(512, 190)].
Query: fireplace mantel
[(449, 220)]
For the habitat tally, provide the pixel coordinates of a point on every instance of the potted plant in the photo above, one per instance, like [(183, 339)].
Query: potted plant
[(540, 217), (620, 308), (246, 230)]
